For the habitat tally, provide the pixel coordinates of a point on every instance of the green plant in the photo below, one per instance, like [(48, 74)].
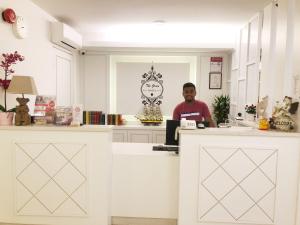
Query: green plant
[(221, 106), (251, 109)]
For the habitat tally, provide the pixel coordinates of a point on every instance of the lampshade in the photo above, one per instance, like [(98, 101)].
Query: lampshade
[(22, 85)]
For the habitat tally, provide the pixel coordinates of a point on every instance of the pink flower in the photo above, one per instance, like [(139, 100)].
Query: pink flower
[(9, 60)]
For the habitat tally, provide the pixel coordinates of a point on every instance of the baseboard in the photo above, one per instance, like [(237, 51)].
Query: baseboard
[(142, 221)]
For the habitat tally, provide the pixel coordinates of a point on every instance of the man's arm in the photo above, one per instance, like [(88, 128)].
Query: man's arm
[(207, 116), (210, 122), (176, 115)]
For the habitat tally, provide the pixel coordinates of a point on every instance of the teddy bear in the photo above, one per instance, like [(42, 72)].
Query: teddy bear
[(22, 115)]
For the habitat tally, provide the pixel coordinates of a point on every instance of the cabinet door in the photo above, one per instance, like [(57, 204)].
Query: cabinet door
[(119, 135), (64, 63), (158, 136), (140, 136)]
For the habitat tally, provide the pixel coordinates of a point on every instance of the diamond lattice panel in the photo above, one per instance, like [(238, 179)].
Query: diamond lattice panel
[(237, 185), (53, 181)]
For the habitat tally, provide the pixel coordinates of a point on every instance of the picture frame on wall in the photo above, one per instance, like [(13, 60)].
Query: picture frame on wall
[(215, 80)]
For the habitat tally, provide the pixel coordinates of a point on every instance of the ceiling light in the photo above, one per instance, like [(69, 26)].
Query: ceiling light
[(159, 21)]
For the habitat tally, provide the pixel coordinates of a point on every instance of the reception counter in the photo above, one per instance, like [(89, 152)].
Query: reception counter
[(238, 176), (78, 176), (55, 175)]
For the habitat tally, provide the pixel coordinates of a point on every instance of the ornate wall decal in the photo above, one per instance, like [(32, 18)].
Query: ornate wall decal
[(152, 87)]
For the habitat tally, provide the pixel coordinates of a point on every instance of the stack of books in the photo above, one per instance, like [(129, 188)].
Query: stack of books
[(114, 119), (93, 117)]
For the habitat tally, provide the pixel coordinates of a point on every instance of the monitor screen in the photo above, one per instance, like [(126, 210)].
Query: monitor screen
[(171, 126)]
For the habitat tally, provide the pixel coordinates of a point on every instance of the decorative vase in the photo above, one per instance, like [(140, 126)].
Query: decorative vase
[(251, 117), (6, 118)]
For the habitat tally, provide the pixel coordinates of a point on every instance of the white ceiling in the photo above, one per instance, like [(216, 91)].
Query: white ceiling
[(188, 23)]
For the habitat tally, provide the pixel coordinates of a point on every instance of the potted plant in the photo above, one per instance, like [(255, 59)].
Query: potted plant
[(221, 106), (6, 115), (250, 112)]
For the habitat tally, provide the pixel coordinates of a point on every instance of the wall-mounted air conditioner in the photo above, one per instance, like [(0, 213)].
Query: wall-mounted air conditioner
[(65, 36)]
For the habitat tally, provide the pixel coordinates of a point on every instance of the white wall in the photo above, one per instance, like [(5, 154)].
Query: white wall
[(267, 81), (96, 74), (245, 66), (280, 52), (37, 49), (95, 81), (203, 91), (280, 46), (296, 59), (129, 76)]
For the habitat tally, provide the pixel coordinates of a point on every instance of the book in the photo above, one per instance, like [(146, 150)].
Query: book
[(44, 107)]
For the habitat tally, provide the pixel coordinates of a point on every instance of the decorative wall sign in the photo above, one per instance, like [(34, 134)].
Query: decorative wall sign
[(216, 64), (152, 88), (215, 75), (215, 80)]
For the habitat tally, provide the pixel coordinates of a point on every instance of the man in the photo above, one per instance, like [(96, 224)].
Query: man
[(192, 109)]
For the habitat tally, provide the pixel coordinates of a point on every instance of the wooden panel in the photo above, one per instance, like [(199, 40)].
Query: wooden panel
[(45, 184), (159, 137), (252, 84), (241, 96), (63, 78), (234, 85), (236, 179), (140, 136), (120, 136), (244, 52), (51, 179), (254, 32), (247, 194)]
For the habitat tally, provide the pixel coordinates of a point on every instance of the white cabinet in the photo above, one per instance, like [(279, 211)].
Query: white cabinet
[(120, 136), (55, 175), (140, 136), (231, 178), (137, 135), (64, 63), (158, 137)]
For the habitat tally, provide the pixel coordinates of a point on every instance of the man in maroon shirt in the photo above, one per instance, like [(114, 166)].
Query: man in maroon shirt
[(192, 109)]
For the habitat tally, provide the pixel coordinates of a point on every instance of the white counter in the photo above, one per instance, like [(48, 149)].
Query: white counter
[(55, 175), (139, 134), (240, 131), (139, 127), (239, 176), (85, 128), (145, 182)]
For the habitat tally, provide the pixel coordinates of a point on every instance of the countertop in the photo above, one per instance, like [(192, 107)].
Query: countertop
[(85, 128), (240, 131), (139, 127)]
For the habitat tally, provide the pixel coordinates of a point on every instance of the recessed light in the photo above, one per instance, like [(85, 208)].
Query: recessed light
[(159, 21)]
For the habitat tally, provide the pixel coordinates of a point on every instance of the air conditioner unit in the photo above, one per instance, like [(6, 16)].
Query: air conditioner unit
[(65, 36)]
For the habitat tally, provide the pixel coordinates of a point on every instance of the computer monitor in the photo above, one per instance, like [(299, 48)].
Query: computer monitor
[(171, 126)]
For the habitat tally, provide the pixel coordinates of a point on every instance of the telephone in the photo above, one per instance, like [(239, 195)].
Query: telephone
[(188, 124), (185, 125)]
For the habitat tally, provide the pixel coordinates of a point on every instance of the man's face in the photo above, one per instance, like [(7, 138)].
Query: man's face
[(189, 94)]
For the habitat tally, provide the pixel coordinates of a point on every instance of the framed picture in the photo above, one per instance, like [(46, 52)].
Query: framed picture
[(215, 80)]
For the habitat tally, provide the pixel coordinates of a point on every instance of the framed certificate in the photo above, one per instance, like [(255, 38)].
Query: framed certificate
[(215, 80)]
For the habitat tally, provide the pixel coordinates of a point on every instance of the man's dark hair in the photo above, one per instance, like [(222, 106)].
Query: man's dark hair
[(189, 84)]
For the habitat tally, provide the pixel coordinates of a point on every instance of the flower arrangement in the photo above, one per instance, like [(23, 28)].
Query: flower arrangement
[(9, 60), (251, 109)]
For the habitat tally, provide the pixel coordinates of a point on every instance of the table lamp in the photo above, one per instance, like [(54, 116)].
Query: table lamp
[(22, 85)]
